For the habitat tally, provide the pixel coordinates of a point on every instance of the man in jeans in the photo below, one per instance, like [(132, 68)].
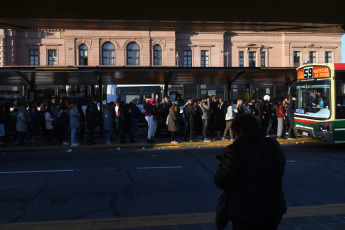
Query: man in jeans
[(291, 114), (205, 106)]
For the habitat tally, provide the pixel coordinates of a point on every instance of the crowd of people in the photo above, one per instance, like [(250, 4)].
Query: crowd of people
[(204, 119), (211, 117)]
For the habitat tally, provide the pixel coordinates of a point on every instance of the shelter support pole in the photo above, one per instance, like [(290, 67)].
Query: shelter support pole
[(232, 81), (166, 83), (100, 93)]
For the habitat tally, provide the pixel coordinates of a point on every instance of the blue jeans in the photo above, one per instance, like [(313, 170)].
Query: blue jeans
[(134, 127), (186, 127), (107, 135), (73, 135)]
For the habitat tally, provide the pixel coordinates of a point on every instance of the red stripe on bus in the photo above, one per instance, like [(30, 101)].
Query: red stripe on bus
[(339, 66), (305, 121), (327, 123)]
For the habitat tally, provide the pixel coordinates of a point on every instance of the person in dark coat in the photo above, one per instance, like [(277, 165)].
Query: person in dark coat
[(91, 122), (173, 122), (291, 114), (251, 173), (189, 113), (125, 122), (34, 122)]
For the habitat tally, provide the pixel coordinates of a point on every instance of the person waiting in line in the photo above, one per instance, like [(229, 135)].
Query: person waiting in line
[(63, 124), (198, 120), (135, 115), (280, 118), (267, 115), (253, 196), (148, 106), (213, 116), (91, 123), (173, 122), (81, 129), (107, 124), (189, 112), (34, 122), (229, 117), (205, 106), (22, 124), (125, 122), (223, 105), (291, 115), (49, 127), (74, 123), (240, 106)]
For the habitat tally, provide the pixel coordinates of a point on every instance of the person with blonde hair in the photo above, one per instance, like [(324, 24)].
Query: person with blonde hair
[(240, 106)]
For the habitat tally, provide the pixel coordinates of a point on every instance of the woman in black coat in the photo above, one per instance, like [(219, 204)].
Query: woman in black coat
[(251, 173), (173, 122)]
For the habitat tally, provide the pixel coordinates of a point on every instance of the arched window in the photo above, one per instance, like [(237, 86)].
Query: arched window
[(157, 55), (133, 54), (83, 55), (108, 54)]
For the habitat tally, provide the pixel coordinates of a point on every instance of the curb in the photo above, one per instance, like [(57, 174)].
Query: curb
[(164, 145)]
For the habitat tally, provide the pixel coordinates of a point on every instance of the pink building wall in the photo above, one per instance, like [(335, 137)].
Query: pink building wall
[(278, 46)]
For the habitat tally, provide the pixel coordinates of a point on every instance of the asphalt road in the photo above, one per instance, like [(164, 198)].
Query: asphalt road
[(56, 185)]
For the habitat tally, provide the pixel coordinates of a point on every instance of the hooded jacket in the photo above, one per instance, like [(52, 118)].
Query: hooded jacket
[(256, 190)]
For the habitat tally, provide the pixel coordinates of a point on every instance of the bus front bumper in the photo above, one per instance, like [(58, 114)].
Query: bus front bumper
[(309, 131)]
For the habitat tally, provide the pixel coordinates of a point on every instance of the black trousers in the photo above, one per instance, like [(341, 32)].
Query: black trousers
[(260, 224), (291, 127), (205, 124), (191, 128)]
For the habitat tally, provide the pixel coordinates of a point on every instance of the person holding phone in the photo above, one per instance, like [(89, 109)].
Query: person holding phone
[(250, 173)]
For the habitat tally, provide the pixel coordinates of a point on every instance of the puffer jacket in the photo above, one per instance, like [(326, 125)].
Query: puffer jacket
[(256, 190), (173, 121)]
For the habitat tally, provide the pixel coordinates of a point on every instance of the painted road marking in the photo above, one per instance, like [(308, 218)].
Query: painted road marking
[(41, 171), (160, 167), (162, 220)]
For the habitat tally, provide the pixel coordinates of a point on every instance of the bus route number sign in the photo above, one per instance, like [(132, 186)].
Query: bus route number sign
[(314, 72), (308, 72)]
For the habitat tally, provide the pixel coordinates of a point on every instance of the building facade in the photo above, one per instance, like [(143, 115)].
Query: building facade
[(163, 48)]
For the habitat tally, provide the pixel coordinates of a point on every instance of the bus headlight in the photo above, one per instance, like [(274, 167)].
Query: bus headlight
[(324, 127)]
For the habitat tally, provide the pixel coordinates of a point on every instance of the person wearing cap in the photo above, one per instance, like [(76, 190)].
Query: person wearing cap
[(205, 106)]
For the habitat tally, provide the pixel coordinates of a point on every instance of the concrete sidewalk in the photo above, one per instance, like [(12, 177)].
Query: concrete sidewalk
[(160, 143), (331, 216)]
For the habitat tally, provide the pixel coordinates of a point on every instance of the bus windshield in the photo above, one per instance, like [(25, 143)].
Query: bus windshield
[(313, 98)]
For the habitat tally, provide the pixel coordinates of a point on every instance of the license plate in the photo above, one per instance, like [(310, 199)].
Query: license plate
[(305, 133)]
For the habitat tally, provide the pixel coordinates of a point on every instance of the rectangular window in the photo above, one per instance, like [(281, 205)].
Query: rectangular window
[(187, 58), (241, 59), (312, 57), (328, 57), (52, 57), (204, 58), (33, 57), (263, 59), (296, 58), (252, 59)]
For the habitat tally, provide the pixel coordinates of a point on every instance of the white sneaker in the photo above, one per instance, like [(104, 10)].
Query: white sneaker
[(174, 142), (65, 143), (74, 145), (77, 143)]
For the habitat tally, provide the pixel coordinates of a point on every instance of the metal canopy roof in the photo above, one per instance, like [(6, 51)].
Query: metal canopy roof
[(143, 75), (293, 15)]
